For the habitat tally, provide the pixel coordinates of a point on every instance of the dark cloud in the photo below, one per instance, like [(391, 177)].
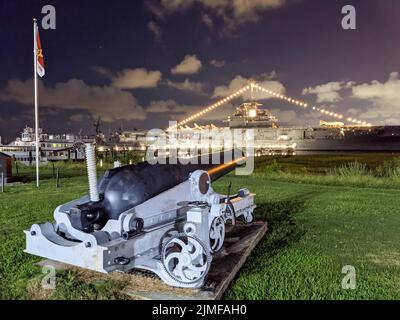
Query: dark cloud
[(109, 102)]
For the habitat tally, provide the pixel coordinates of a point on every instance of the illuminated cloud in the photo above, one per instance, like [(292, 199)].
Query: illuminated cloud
[(136, 78), (102, 71), (232, 12), (244, 9), (328, 92), (155, 29), (176, 5), (379, 99), (239, 82), (250, 9), (217, 63), (187, 85), (168, 106), (189, 65), (207, 20), (384, 98)]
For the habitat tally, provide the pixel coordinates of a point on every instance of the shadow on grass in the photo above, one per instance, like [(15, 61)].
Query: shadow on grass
[(283, 230)]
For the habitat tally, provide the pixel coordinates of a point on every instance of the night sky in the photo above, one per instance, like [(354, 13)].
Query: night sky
[(138, 64)]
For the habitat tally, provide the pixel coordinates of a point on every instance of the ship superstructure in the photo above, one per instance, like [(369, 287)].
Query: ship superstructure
[(53, 147), (250, 115)]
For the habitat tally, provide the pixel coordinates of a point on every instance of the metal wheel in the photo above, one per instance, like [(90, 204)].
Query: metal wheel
[(217, 234), (248, 218), (186, 259)]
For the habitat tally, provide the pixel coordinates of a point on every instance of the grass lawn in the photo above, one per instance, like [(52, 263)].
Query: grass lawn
[(314, 230)]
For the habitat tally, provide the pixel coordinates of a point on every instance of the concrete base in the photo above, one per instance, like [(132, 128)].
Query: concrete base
[(239, 243)]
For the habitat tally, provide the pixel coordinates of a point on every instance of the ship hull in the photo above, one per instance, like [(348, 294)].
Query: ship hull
[(367, 144), (323, 140)]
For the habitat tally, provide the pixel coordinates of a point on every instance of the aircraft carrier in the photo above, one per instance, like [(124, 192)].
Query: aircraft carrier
[(328, 137)]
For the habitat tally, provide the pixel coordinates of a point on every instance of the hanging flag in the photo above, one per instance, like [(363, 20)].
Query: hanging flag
[(39, 55)]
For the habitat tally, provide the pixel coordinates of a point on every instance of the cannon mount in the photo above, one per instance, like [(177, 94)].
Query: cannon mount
[(170, 224)]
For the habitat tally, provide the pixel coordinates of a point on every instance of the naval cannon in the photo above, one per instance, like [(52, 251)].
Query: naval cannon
[(163, 218)]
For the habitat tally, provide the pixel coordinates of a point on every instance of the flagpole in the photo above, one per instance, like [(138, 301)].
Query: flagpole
[(36, 101)]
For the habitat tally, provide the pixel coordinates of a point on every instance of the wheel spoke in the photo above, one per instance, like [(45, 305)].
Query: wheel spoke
[(174, 255), (180, 243), (217, 233), (198, 249), (178, 271), (196, 271)]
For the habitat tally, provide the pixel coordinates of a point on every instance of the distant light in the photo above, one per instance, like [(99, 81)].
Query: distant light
[(252, 113)]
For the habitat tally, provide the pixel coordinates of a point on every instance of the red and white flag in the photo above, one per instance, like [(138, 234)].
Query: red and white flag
[(39, 55)]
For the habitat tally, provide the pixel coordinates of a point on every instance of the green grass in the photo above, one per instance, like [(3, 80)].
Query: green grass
[(365, 170), (316, 227), (314, 231), (66, 169), (320, 164)]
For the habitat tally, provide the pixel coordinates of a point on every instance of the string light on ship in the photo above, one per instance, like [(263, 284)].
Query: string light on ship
[(359, 122), (279, 96), (305, 105), (341, 116), (252, 86), (328, 113), (211, 107)]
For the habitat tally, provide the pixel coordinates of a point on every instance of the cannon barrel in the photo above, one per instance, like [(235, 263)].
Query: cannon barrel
[(128, 186)]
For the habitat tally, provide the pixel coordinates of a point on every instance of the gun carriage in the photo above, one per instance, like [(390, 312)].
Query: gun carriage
[(166, 219)]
